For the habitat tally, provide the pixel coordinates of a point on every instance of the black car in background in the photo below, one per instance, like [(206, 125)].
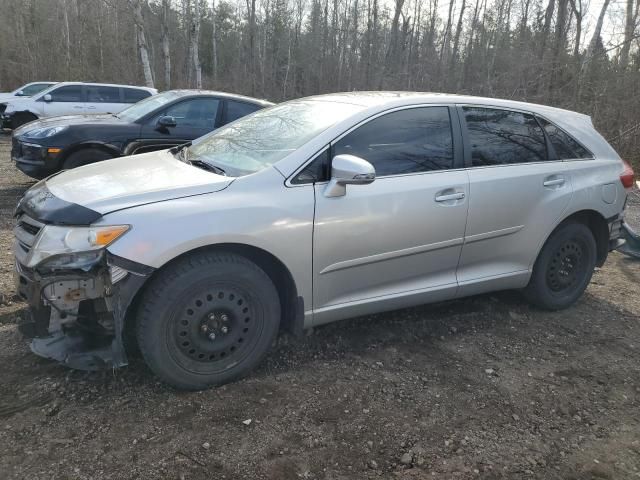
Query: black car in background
[(46, 146)]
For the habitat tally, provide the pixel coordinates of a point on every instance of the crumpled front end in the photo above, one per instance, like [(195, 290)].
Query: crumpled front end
[(78, 305)]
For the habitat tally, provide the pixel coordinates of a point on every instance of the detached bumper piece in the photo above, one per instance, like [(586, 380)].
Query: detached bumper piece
[(77, 317), (631, 245)]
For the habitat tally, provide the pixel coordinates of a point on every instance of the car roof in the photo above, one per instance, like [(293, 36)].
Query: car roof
[(149, 89), (230, 96), (391, 99)]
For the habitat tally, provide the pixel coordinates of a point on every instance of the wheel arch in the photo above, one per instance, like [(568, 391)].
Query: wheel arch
[(292, 305), (599, 227), (105, 147)]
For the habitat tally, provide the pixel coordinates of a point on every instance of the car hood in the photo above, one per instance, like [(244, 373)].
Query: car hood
[(67, 120), (116, 184), (6, 97)]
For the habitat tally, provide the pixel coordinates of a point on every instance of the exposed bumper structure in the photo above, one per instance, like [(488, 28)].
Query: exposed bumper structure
[(77, 314), (77, 318)]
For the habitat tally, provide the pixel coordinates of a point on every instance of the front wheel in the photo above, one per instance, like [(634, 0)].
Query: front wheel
[(563, 268), (22, 118), (208, 319), (85, 157)]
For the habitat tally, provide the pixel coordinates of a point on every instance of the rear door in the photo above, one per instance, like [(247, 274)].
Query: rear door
[(194, 118), (103, 99), (66, 100), (396, 241), (517, 194)]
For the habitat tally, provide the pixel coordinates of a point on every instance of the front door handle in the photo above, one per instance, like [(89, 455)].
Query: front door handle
[(554, 182), (449, 197)]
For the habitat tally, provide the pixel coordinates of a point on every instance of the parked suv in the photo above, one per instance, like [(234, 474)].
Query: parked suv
[(308, 212), (26, 90), (71, 98), (43, 147)]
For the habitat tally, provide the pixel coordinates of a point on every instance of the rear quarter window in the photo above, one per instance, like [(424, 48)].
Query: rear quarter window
[(133, 95), (564, 145)]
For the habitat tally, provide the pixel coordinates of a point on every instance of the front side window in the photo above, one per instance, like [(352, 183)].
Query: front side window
[(68, 93), (502, 137), (406, 141), (99, 94), (565, 147), (196, 113), (236, 110)]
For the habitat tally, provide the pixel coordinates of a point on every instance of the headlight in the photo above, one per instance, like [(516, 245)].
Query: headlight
[(54, 240), (44, 132)]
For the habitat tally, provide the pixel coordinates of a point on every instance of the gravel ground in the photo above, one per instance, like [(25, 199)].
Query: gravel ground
[(485, 387)]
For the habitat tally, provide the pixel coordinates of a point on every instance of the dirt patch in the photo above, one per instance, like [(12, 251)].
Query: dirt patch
[(485, 387)]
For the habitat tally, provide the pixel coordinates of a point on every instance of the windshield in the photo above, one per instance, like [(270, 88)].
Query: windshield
[(261, 139), (34, 88), (148, 105)]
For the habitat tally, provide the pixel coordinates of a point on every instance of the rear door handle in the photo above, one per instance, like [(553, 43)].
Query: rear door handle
[(554, 182), (450, 196)]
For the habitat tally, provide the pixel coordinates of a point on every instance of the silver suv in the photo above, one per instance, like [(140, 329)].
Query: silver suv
[(309, 212)]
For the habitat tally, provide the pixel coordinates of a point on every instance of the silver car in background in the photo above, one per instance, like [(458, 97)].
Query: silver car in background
[(308, 212)]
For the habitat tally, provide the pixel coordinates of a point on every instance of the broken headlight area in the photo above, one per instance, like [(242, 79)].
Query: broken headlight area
[(77, 304)]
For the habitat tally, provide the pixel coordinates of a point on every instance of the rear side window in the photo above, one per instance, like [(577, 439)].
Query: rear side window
[(134, 95), (407, 141), (502, 137), (68, 93), (565, 147), (99, 94), (236, 110)]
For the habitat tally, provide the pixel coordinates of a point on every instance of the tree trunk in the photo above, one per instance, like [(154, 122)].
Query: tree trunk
[(142, 42), (214, 43), (166, 51), (194, 41), (629, 30)]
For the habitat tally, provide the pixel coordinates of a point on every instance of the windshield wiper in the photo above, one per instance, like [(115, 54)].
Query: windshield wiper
[(208, 166)]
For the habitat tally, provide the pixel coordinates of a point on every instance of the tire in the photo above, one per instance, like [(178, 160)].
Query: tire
[(207, 319), (563, 268), (21, 118), (85, 157)]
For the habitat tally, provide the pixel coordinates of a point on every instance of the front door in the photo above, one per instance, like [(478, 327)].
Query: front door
[(66, 100), (395, 242)]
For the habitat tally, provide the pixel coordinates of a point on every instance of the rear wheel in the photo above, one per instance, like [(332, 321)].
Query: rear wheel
[(85, 157), (21, 118), (563, 268), (208, 319)]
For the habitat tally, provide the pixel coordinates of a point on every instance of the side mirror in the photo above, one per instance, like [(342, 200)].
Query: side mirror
[(20, 93), (348, 170), (47, 97), (167, 121)]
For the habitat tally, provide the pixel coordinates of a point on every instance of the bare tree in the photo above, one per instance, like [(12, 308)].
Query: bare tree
[(138, 19), (166, 50)]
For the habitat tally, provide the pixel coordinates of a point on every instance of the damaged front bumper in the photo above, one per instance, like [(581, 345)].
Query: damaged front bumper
[(78, 317)]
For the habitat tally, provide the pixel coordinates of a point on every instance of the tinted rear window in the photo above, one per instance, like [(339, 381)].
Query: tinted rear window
[(566, 148), (100, 94), (133, 95), (236, 110), (501, 137)]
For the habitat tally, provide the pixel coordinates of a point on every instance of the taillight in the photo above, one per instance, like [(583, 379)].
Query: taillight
[(626, 177)]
